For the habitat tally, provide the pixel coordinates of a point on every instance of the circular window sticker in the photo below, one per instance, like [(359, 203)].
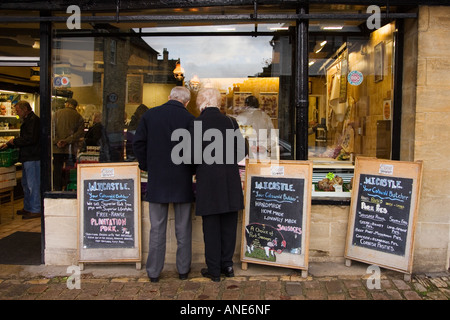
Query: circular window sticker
[(355, 78), (57, 82), (65, 81)]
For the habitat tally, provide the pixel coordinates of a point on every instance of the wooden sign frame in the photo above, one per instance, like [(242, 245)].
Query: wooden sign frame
[(109, 195), (386, 183), (291, 176)]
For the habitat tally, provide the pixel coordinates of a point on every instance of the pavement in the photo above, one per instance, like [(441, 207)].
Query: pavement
[(324, 281)]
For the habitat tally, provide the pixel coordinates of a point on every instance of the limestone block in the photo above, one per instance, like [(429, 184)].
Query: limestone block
[(433, 98), (424, 18), (439, 17), (429, 260), (320, 213), (432, 236), (60, 257), (61, 232), (339, 213), (437, 71), (434, 209), (431, 44), (319, 236), (61, 207)]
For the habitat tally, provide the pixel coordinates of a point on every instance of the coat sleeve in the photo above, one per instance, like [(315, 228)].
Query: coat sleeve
[(30, 135), (140, 144)]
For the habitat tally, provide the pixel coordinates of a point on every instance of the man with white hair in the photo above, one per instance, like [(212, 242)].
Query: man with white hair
[(167, 182)]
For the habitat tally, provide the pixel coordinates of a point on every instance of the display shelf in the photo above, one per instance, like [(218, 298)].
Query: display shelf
[(10, 131), (343, 169)]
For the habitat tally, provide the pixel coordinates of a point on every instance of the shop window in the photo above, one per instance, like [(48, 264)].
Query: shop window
[(351, 102), (112, 78)]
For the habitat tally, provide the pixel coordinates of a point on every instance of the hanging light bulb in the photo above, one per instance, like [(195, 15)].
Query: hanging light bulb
[(178, 72), (194, 82)]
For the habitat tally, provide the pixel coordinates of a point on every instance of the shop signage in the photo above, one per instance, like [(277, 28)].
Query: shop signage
[(277, 212), (355, 78), (61, 81), (109, 213), (383, 213)]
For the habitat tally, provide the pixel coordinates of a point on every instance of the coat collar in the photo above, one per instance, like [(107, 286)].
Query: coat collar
[(210, 110), (176, 103)]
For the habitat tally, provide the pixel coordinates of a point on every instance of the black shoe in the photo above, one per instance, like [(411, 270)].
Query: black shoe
[(183, 276), (22, 212), (206, 274), (154, 280), (31, 215), (228, 272)]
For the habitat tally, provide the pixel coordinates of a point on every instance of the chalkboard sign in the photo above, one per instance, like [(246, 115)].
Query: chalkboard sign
[(109, 213), (383, 212), (277, 212)]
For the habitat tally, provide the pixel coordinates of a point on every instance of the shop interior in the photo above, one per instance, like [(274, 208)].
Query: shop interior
[(351, 88)]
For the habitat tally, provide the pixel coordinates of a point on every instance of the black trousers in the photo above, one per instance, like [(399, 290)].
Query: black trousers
[(219, 234), (60, 178)]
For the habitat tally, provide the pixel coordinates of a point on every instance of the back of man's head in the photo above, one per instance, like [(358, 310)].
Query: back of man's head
[(180, 94), (72, 102)]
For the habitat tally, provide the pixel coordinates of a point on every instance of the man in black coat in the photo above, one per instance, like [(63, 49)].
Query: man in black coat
[(167, 182), (30, 157), (219, 194)]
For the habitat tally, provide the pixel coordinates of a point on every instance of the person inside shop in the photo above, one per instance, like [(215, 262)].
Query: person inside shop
[(259, 131), (68, 127), (168, 183), (94, 135), (131, 130), (29, 156), (219, 194)]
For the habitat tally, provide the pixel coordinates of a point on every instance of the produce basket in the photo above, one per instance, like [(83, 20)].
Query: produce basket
[(9, 157)]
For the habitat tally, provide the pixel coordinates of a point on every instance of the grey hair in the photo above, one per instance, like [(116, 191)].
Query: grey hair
[(180, 94), (208, 97), (23, 105)]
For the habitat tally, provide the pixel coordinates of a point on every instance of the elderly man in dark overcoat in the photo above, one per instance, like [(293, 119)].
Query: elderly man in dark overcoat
[(168, 182)]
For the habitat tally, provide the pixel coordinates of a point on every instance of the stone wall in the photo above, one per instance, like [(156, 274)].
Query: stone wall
[(327, 235), (432, 136)]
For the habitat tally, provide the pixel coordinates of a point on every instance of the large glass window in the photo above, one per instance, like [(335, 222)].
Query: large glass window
[(113, 80), (351, 92), (117, 74)]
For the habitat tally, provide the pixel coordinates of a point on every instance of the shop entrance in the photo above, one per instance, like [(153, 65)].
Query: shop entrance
[(20, 239)]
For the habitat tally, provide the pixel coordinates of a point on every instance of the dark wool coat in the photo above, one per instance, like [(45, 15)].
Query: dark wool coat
[(218, 187), (28, 140), (152, 145)]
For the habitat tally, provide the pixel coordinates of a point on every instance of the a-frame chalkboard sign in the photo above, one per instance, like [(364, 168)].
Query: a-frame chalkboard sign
[(383, 213), (276, 220), (109, 213)]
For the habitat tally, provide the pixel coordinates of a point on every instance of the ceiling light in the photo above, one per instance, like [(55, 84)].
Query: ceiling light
[(279, 28), (319, 46), (332, 27), (226, 29)]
